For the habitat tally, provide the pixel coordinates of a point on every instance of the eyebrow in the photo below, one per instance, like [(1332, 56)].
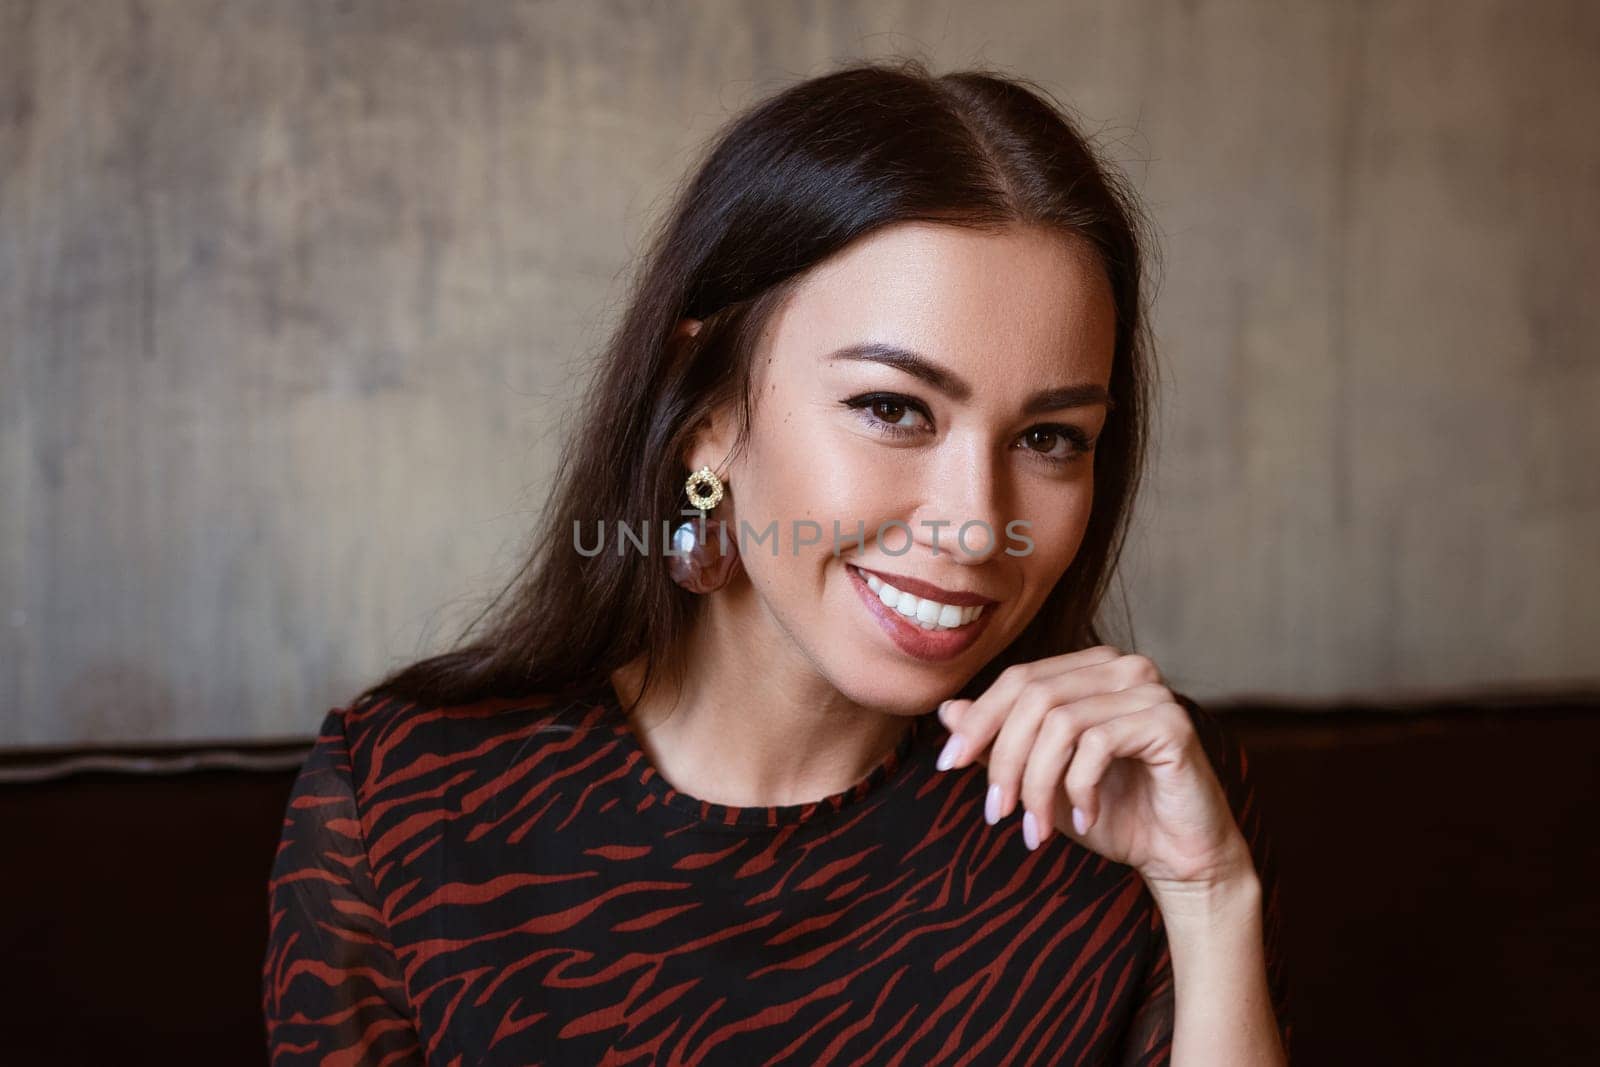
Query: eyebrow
[(948, 383)]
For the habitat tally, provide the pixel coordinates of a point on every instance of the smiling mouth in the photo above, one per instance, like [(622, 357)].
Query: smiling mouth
[(928, 612)]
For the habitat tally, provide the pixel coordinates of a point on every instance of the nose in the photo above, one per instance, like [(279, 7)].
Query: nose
[(967, 490)]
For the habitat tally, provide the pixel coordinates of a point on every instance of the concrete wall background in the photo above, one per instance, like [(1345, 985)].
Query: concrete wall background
[(292, 295)]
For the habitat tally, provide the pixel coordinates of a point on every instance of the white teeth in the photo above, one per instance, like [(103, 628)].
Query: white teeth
[(928, 614)]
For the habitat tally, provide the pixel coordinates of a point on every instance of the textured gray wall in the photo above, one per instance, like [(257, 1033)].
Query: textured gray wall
[(293, 294)]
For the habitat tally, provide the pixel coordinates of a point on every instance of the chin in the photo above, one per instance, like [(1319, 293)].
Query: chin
[(896, 690)]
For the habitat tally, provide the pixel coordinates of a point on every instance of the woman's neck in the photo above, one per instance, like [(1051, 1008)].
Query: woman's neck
[(741, 717)]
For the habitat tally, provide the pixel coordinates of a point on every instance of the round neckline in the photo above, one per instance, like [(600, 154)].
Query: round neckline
[(644, 774)]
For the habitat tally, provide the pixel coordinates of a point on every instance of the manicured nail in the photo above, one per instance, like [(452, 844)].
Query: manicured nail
[(991, 806), (1030, 830), (1080, 821), (951, 752)]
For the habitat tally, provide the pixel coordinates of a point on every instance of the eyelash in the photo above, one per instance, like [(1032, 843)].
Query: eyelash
[(864, 404)]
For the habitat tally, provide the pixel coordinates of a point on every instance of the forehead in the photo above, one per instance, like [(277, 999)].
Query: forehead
[(1023, 301)]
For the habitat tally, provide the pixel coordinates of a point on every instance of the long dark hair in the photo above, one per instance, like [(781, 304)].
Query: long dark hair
[(790, 182)]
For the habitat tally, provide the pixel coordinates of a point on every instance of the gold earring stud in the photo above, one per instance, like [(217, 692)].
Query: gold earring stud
[(704, 489)]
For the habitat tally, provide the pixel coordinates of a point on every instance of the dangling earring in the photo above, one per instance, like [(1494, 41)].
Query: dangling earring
[(704, 554)]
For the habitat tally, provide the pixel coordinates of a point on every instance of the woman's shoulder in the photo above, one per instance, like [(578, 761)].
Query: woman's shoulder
[(407, 744), (390, 717)]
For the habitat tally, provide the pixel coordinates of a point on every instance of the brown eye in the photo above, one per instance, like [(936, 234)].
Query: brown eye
[(888, 410), (1056, 443), (891, 415), (1042, 440)]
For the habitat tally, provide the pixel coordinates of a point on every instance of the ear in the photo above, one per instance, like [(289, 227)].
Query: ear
[(685, 330), (712, 441)]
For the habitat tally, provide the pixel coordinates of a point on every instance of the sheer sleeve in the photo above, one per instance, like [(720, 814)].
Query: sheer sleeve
[(1148, 1040), (332, 990)]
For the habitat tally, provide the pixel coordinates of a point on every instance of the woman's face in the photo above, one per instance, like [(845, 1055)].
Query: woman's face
[(928, 386)]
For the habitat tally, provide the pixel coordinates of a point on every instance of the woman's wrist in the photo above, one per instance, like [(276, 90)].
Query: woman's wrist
[(1223, 900), (1224, 1011)]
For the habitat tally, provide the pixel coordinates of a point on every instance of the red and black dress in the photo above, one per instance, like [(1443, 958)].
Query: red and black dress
[(512, 882)]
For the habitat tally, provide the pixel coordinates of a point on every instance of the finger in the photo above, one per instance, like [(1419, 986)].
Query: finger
[(1137, 735), (1056, 746), (981, 721), (950, 713), (1012, 747), (1045, 684), (1101, 669), (1018, 743)]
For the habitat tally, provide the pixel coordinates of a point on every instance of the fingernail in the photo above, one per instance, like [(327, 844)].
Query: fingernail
[(944, 706), (951, 752), (1030, 830), (1080, 821), (991, 806)]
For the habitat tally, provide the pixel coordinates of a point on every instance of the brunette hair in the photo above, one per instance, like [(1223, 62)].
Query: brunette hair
[(789, 183)]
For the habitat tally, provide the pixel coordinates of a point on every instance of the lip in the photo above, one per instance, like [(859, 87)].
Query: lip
[(929, 591), (932, 646)]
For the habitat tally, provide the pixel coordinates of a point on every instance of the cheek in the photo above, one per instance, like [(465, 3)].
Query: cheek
[(1057, 522), (800, 466)]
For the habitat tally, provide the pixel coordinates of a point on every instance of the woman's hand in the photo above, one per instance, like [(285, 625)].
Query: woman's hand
[(1095, 744)]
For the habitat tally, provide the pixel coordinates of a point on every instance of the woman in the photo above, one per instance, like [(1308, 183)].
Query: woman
[(841, 772)]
